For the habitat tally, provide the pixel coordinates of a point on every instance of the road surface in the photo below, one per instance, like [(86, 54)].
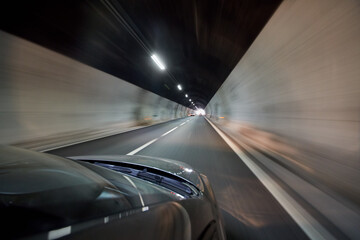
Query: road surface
[(248, 208)]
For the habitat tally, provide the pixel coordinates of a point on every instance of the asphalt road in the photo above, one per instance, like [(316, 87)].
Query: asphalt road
[(249, 210)]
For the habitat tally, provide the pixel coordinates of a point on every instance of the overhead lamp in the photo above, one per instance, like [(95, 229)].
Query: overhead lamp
[(186, 95), (158, 61), (189, 100), (179, 87)]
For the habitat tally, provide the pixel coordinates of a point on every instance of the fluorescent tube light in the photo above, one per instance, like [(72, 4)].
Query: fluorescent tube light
[(158, 62)]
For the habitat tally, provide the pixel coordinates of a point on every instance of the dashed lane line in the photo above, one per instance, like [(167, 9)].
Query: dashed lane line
[(142, 147), (169, 131), (154, 140)]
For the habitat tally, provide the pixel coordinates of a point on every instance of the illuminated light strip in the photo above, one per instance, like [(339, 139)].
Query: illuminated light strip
[(312, 228), (158, 62), (133, 184), (142, 147), (58, 233)]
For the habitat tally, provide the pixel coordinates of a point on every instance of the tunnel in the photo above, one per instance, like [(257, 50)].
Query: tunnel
[(262, 97)]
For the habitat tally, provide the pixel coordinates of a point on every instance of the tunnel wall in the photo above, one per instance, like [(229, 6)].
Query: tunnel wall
[(44, 94), (296, 92)]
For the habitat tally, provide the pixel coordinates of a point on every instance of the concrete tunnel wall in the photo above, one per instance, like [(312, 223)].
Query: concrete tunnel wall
[(45, 95), (296, 92)]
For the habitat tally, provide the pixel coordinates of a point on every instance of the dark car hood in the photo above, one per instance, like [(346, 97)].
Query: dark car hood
[(41, 192), (174, 167)]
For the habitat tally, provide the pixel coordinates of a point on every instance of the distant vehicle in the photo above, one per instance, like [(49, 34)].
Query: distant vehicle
[(43, 196), (191, 114)]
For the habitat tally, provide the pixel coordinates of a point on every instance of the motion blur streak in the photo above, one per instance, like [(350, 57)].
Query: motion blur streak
[(291, 104), (49, 99), (295, 97)]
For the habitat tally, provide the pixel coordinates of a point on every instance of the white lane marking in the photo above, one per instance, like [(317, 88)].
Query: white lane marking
[(152, 141), (306, 222), (169, 131), (183, 123), (133, 184), (142, 147), (58, 233)]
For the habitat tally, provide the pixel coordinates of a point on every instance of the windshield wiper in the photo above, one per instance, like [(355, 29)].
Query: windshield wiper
[(114, 167), (167, 182), (173, 184)]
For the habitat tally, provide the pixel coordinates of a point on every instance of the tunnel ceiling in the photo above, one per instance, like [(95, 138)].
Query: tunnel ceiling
[(199, 41)]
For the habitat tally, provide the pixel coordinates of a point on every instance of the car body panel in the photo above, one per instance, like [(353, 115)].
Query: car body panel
[(47, 197)]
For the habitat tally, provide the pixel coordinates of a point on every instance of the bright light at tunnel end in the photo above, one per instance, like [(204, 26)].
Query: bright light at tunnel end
[(158, 61), (200, 111)]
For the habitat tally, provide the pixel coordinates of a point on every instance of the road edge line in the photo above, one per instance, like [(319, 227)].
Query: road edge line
[(305, 221)]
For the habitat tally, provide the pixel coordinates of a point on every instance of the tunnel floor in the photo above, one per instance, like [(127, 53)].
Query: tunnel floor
[(248, 209)]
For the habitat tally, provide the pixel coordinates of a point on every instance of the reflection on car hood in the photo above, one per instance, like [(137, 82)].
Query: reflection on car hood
[(40, 192), (177, 168)]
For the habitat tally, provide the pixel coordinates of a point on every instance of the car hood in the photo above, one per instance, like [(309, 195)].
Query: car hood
[(56, 192), (180, 169)]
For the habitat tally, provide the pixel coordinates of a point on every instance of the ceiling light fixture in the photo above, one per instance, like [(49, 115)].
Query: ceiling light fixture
[(158, 61), (179, 87), (189, 100), (186, 95)]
